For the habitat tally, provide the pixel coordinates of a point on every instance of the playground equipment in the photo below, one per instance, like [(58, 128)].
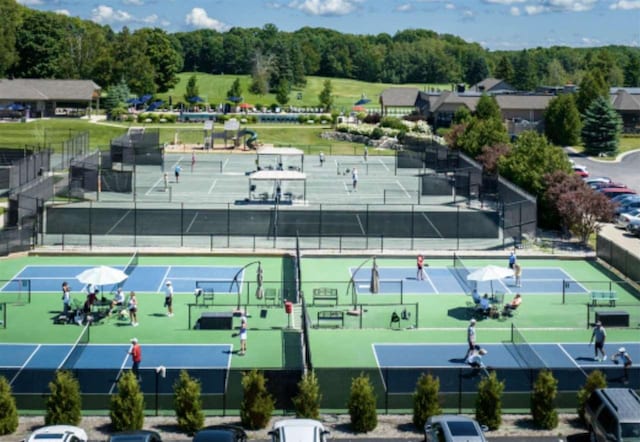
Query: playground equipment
[(206, 137)]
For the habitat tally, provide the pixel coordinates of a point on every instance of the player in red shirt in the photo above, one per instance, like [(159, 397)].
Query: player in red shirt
[(136, 357)]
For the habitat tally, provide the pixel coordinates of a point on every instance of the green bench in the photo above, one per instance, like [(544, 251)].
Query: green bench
[(334, 317), (604, 297), (325, 295)]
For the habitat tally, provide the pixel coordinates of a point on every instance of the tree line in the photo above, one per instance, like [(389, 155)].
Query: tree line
[(38, 44)]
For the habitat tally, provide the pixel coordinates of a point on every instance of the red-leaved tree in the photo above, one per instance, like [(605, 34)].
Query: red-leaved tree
[(581, 209)]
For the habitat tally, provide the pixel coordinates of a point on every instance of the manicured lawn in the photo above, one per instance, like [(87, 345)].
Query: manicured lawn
[(213, 89)]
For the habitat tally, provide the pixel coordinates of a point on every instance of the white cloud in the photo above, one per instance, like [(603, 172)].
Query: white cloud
[(450, 6), (133, 2), (625, 4), (534, 9), (406, 7), (504, 2), (30, 2), (589, 41), (153, 18), (63, 12), (515, 11), (198, 18), (106, 14), (325, 7)]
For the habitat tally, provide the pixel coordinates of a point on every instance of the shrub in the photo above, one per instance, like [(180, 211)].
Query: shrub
[(127, 407), (372, 119), (307, 401), (392, 123), (377, 133), (169, 118), (257, 404), (188, 403), (425, 400), (9, 412), (543, 401), (489, 401), (117, 113), (594, 381), (362, 405), (64, 404)]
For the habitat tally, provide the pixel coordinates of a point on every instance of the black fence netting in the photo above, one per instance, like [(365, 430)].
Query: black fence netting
[(618, 256), (393, 387), (181, 219), (17, 239), (138, 148), (28, 200)]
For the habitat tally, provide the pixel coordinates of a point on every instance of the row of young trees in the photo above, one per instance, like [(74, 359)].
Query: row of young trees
[(39, 44), (127, 406)]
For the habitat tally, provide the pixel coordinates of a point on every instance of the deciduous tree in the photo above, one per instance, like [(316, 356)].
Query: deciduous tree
[(562, 121)]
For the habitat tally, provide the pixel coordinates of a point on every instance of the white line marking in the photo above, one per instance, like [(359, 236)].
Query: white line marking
[(572, 360), (148, 192), (224, 165), (115, 382), (25, 364), (432, 225), (382, 162), (192, 221), (403, 189), (212, 186), (164, 277), (360, 223), (118, 222)]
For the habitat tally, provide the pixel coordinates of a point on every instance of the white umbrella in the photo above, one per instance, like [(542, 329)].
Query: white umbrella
[(490, 273), (102, 275)]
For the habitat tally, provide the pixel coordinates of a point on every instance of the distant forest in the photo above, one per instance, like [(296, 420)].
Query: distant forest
[(36, 44)]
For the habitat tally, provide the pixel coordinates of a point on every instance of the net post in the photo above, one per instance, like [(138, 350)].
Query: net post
[(512, 333), (564, 291)]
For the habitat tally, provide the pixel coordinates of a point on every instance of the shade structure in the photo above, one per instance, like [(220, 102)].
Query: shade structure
[(362, 101), (195, 99), (358, 108), (259, 281), (246, 106), (490, 273), (375, 278), (235, 99), (102, 275)]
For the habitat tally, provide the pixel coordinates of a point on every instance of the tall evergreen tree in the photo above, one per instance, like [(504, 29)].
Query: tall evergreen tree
[(192, 90), (326, 97), (591, 87), (504, 69), (488, 109), (562, 121), (602, 127), (64, 405), (235, 91), (525, 78), (632, 71), (282, 92)]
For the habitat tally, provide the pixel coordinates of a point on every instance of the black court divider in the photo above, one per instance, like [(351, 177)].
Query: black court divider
[(16, 291), (181, 220), (3, 315)]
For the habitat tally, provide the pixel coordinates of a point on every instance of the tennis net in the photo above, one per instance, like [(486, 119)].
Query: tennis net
[(529, 356), (77, 349), (461, 271)]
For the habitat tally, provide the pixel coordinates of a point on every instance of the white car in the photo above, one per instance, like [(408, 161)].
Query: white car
[(298, 430), (58, 433), (597, 179), (624, 219)]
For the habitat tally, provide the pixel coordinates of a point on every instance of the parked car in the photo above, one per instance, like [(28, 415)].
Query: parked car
[(610, 192), (58, 433), (620, 199), (136, 436), (613, 414), (581, 170), (298, 430), (602, 185), (597, 179), (634, 227), (453, 428), (628, 206), (221, 433), (624, 219)]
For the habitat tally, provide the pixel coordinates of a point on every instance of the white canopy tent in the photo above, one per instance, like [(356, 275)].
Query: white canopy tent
[(280, 154), (278, 178)]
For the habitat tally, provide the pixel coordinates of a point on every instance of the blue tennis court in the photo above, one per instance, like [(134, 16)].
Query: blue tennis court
[(150, 279), (402, 364), (393, 280), (30, 367)]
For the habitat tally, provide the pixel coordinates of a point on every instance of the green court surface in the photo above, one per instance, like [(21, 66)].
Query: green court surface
[(434, 312)]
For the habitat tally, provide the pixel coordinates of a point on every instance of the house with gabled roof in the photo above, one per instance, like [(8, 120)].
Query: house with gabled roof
[(400, 100), (493, 86), (46, 98), (628, 106)]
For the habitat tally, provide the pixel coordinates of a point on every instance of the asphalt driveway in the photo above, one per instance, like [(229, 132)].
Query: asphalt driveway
[(625, 169)]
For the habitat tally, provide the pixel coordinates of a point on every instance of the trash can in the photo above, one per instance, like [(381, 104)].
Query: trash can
[(288, 307)]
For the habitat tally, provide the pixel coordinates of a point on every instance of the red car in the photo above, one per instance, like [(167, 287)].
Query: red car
[(610, 192), (581, 170)]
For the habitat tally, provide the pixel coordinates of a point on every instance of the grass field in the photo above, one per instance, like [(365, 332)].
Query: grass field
[(213, 89)]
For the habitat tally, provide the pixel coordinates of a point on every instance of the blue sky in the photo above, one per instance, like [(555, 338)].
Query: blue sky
[(495, 24)]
